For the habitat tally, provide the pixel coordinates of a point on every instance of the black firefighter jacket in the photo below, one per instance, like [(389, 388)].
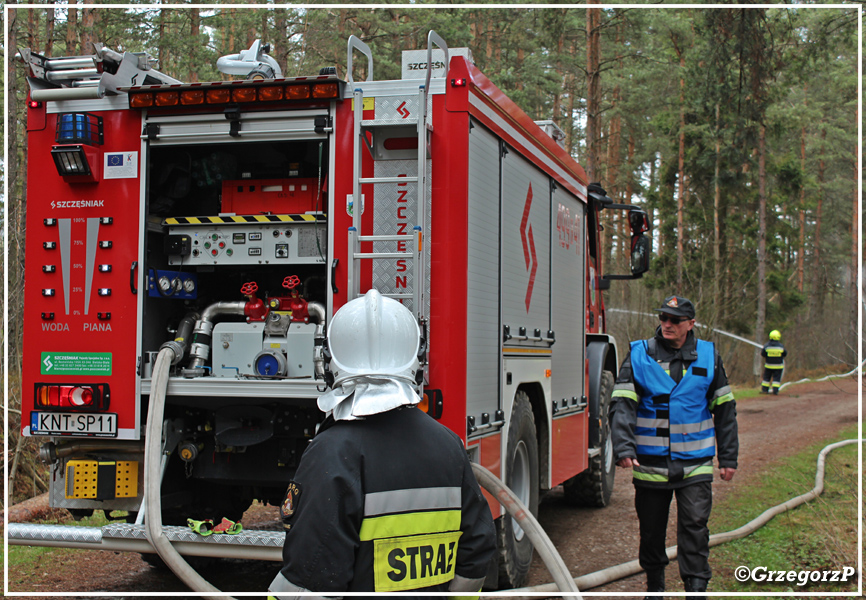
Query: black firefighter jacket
[(385, 503)]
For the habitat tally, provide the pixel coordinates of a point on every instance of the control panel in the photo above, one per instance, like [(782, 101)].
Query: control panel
[(247, 240)]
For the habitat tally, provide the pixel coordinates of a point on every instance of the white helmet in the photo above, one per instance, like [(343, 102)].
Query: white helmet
[(373, 335)]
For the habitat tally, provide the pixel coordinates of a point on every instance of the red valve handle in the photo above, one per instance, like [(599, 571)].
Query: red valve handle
[(291, 282), (249, 288)]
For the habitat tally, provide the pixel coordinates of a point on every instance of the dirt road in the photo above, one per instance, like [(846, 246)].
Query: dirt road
[(588, 539)]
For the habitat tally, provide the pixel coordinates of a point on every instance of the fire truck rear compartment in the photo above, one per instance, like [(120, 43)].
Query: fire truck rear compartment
[(224, 219)]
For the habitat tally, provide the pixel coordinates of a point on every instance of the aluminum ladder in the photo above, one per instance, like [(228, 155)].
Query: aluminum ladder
[(414, 256)]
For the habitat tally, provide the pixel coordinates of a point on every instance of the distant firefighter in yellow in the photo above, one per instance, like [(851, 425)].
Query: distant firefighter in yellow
[(774, 363)]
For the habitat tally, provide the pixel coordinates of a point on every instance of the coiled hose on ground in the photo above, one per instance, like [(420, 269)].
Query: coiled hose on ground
[(592, 580)]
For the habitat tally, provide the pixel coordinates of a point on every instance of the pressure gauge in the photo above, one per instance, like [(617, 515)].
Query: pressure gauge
[(189, 286), (176, 285), (164, 284)]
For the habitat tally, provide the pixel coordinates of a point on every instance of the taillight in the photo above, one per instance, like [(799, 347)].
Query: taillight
[(72, 397)]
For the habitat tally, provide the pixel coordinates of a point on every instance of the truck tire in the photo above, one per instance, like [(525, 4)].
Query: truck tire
[(521, 475), (594, 486)]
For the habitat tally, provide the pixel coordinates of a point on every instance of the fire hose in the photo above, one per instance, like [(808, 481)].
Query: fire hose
[(592, 580), (153, 479), (174, 560), (563, 581)]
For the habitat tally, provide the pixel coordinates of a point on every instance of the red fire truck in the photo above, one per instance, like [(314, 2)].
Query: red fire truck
[(228, 221)]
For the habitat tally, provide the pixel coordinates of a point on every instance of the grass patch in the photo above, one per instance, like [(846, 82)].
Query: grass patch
[(820, 535)]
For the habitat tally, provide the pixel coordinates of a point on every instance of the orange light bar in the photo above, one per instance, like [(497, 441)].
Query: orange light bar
[(167, 98), (218, 96), (270, 93), (325, 90), (192, 97), (142, 100), (297, 92), (244, 95)]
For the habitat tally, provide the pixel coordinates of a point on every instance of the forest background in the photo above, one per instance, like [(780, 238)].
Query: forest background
[(735, 128)]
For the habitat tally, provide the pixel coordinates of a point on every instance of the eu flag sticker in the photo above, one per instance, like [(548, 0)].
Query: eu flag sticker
[(120, 165)]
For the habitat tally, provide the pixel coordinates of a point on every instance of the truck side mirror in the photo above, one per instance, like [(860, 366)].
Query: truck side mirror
[(640, 254), (639, 221)]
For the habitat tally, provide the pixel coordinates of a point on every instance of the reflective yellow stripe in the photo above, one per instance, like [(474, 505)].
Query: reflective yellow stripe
[(416, 523), (769, 366), (703, 470), (649, 476), (410, 563), (624, 394), (721, 400)]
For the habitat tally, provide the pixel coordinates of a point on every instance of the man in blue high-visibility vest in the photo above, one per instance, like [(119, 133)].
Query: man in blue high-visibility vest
[(673, 411)]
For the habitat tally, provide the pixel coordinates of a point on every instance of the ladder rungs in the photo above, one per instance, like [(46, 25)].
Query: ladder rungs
[(390, 123), (385, 238), (389, 180), (383, 255)]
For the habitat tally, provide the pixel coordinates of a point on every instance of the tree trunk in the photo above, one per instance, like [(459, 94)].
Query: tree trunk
[(88, 33), (49, 31), (281, 51), (593, 94), (818, 278), (855, 268), (194, 33), (801, 251), (72, 47), (681, 175), (762, 244), (717, 235)]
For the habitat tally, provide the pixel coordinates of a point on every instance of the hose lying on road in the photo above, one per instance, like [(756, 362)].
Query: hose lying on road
[(628, 569), (153, 481), (518, 511)]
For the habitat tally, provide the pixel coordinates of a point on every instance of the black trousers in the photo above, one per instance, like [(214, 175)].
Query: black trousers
[(694, 503), (772, 377)]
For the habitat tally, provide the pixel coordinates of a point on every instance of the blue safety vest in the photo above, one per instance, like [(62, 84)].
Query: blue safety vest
[(674, 418)]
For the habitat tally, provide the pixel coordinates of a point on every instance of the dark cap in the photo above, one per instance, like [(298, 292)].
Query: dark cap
[(678, 307)]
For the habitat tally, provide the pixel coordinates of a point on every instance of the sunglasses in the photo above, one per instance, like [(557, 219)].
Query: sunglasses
[(664, 318)]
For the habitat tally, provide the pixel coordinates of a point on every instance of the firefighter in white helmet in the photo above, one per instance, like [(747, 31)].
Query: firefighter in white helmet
[(384, 498)]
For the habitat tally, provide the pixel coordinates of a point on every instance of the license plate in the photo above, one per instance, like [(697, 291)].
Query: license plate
[(89, 424)]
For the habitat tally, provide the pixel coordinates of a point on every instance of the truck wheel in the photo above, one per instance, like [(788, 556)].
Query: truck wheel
[(594, 486), (521, 475)]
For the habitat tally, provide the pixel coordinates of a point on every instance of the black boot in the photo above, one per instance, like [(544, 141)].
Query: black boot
[(655, 582), (695, 584)]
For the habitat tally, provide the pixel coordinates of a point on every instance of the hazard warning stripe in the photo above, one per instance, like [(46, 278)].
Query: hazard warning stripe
[(229, 220)]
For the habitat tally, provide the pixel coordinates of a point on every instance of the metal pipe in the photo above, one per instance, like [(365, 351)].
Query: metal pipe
[(79, 62), (53, 94), (92, 538), (50, 452), (63, 75)]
